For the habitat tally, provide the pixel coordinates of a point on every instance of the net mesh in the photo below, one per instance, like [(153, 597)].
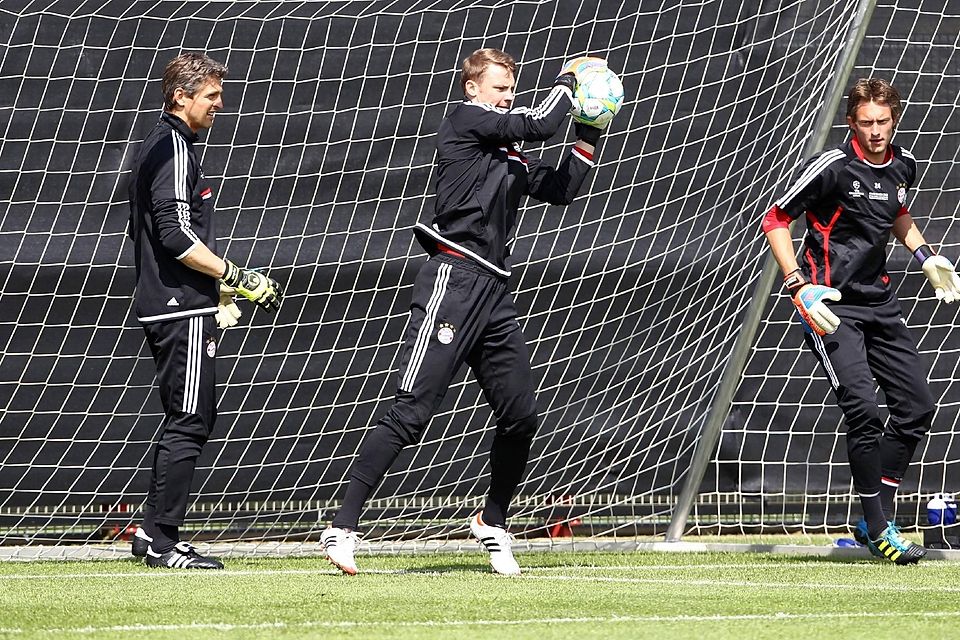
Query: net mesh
[(782, 458), (320, 164)]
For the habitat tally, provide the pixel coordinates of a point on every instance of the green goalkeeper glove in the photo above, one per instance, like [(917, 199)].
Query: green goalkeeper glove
[(254, 286), (228, 313)]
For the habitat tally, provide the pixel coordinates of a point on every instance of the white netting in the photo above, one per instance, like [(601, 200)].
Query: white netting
[(321, 163), (782, 460)]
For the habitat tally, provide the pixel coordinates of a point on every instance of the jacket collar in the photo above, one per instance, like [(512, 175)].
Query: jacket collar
[(180, 126)]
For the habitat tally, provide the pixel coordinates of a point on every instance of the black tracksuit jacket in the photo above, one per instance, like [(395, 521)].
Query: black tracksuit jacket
[(482, 176), (171, 211)]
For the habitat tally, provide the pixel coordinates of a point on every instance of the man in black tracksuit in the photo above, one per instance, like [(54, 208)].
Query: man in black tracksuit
[(178, 299), (462, 310), (853, 196)]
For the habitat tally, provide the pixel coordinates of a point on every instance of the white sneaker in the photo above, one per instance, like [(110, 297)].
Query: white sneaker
[(339, 545), (497, 542)]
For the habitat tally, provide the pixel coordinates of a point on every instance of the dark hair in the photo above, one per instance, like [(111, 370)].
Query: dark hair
[(478, 61), (189, 71), (874, 90)]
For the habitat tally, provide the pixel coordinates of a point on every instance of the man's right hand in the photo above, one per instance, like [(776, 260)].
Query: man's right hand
[(254, 286), (814, 313)]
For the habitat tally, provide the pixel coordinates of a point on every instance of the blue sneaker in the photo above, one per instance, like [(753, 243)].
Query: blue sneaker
[(862, 535), (894, 547)]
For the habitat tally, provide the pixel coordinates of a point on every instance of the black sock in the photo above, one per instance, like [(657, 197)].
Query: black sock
[(165, 536), (349, 515), (888, 494), (873, 514), (147, 525), (508, 460), (379, 449)]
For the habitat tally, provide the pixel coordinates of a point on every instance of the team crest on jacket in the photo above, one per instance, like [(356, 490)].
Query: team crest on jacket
[(211, 346), (446, 332), (901, 193)]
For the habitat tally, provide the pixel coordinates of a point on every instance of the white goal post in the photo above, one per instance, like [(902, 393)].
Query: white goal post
[(322, 161)]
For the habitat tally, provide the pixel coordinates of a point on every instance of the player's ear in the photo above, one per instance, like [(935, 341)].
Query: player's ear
[(470, 88), (178, 96)]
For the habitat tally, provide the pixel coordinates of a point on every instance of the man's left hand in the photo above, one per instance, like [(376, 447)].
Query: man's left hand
[(943, 276)]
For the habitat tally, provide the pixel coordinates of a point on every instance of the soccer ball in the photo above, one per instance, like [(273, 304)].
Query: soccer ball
[(598, 97)]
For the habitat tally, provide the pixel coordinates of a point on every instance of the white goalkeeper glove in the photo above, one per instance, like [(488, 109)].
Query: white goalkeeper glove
[(809, 300), (577, 66), (814, 314), (255, 286), (228, 313), (943, 276)]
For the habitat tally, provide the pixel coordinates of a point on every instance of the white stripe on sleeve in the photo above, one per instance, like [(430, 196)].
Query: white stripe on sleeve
[(809, 175), (181, 162)]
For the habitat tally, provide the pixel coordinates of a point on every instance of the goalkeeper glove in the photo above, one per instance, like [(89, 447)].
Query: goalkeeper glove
[(568, 74), (808, 299), (228, 313), (567, 80), (941, 273), (590, 135), (581, 64), (255, 286)]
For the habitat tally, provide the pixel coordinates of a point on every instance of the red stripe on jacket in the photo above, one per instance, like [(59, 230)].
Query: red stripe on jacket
[(825, 230)]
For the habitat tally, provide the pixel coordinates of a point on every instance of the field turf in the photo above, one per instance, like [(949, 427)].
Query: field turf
[(570, 595)]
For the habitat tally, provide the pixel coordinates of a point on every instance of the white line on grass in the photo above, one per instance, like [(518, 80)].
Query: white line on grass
[(733, 566), (743, 583), (529, 572), (326, 624)]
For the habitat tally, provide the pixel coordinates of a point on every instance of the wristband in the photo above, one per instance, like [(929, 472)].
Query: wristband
[(923, 252), (793, 281)]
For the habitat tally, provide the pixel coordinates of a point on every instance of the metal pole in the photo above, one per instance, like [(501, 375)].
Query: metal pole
[(710, 435)]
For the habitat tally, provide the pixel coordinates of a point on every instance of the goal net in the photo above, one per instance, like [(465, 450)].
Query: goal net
[(782, 461), (322, 161)]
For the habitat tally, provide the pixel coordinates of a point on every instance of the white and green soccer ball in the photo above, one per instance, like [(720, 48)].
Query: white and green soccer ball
[(598, 97)]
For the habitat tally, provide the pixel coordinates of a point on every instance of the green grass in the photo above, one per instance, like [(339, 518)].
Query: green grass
[(582, 595)]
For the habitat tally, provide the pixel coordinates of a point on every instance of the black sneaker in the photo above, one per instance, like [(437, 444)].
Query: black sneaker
[(894, 547), (139, 543), (182, 556)]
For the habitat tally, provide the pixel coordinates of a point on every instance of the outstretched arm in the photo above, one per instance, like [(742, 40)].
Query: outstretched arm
[(529, 125), (938, 269)]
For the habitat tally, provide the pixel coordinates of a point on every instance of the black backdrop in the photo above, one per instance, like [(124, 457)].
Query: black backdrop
[(321, 162)]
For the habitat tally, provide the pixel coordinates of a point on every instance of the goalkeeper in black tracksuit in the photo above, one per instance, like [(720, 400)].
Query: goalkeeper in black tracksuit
[(462, 310), (853, 197), (178, 299)]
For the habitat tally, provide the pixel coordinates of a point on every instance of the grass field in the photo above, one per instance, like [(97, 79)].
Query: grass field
[(582, 595)]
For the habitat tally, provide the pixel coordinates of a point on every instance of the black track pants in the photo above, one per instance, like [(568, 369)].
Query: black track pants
[(184, 351), (460, 313), (871, 346)]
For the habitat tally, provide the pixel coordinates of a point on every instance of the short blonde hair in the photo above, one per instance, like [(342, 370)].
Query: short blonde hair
[(874, 90), (477, 62), (189, 71)]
